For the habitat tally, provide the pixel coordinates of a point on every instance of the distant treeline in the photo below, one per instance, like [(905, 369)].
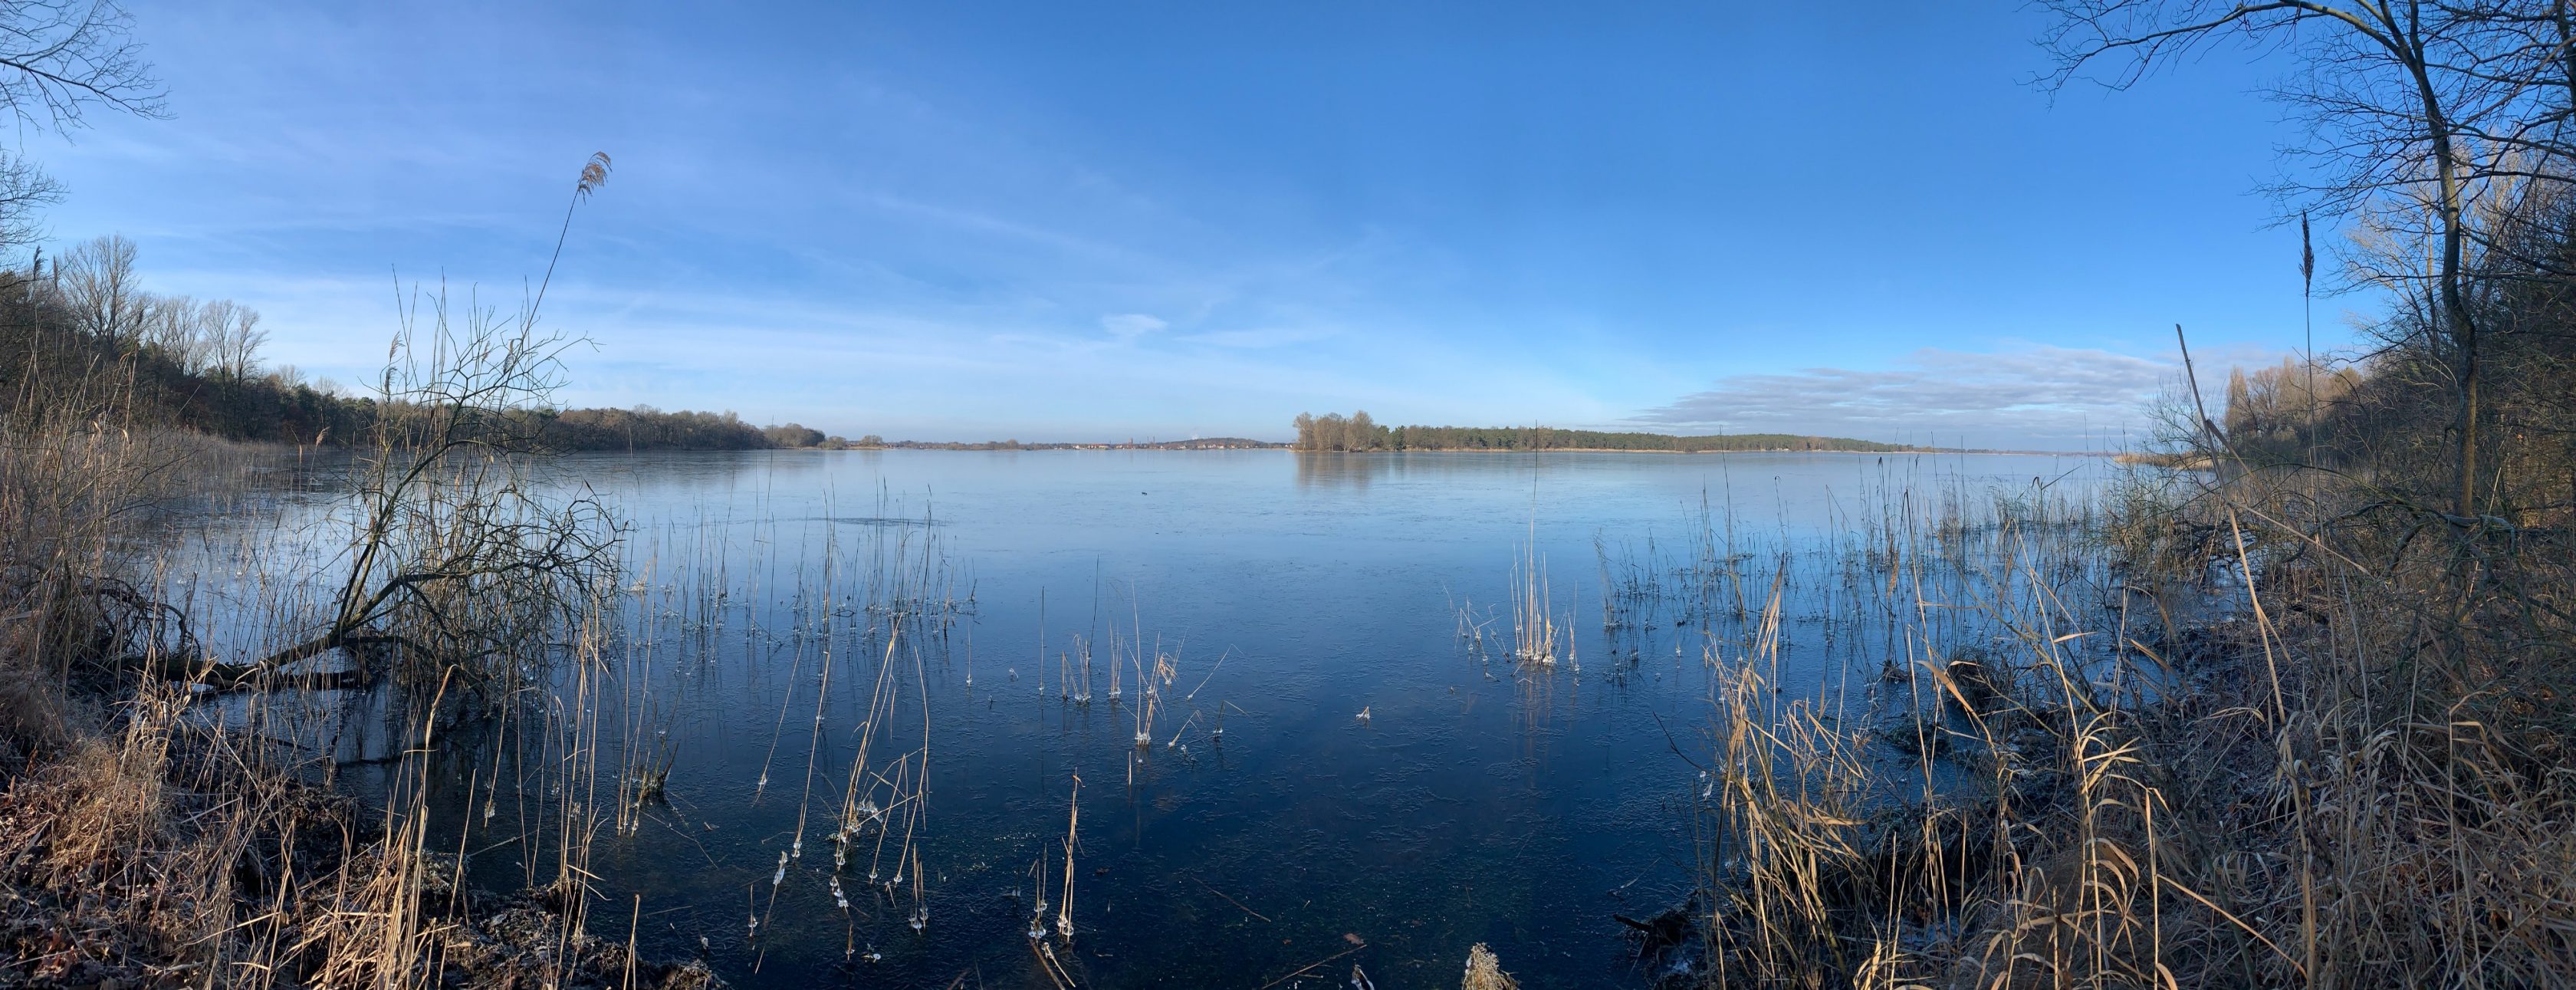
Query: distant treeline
[(82, 319), (1201, 443), (195, 364), (647, 428), (1334, 431)]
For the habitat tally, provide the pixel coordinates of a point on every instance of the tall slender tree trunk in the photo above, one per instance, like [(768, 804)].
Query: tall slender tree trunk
[(2463, 329), (2468, 480), (2464, 340)]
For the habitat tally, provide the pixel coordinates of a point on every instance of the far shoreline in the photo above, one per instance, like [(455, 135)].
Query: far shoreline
[(1090, 449)]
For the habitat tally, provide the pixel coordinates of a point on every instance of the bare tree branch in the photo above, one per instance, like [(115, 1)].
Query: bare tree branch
[(61, 58)]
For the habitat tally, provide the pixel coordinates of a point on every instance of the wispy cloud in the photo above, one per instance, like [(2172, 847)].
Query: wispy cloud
[(1129, 326), (1260, 337), (2040, 396)]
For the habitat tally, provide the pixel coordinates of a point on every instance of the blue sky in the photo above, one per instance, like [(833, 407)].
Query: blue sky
[(1079, 221)]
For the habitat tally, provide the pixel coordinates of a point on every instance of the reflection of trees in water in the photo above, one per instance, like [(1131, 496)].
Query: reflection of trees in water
[(1342, 470), (1357, 470)]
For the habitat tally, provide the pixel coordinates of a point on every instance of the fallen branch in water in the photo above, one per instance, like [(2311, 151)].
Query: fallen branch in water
[(1246, 908), (1310, 967)]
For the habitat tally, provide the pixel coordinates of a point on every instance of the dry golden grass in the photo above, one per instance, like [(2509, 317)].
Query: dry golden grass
[(2350, 770)]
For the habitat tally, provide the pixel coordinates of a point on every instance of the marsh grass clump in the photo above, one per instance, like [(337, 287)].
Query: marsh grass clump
[(1484, 972), (159, 849), (176, 848), (1936, 822), (2286, 746), (1538, 636)]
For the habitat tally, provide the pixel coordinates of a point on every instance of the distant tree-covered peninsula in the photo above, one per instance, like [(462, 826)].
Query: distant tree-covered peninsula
[(1334, 431)]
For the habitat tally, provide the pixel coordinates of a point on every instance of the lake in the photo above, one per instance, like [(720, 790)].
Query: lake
[(1344, 761)]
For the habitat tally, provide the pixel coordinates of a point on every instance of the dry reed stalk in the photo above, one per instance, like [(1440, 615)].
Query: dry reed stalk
[(1072, 830)]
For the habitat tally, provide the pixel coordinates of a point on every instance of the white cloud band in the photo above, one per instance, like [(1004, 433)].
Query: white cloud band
[(2042, 396)]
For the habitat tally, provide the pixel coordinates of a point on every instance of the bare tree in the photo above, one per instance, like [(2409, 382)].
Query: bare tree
[(2412, 109), (58, 60), (99, 285), (24, 189), (170, 328), (237, 338), (206, 334), (61, 58), (218, 337)]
